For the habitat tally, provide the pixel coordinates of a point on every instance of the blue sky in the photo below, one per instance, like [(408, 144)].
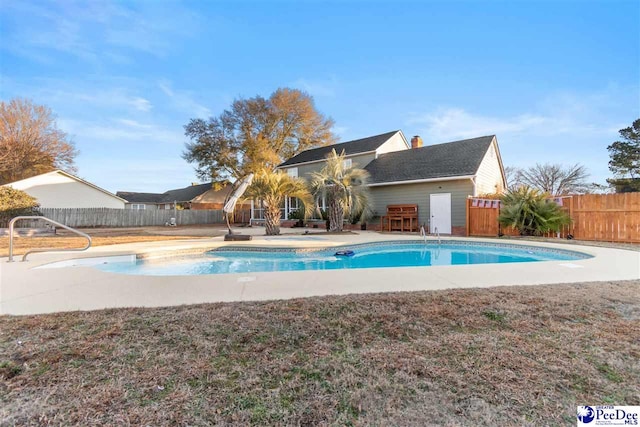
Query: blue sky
[(555, 80)]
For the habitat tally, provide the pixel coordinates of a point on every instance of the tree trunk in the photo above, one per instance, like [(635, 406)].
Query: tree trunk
[(336, 215), (272, 220)]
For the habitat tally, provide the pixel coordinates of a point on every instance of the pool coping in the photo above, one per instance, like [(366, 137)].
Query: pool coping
[(25, 289), (186, 253)]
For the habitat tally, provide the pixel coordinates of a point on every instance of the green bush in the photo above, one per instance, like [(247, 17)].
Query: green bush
[(15, 203), (531, 212), (298, 215)]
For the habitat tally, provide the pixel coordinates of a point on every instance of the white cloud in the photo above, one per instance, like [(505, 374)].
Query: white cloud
[(319, 88), (456, 123), (98, 30), (183, 100), (340, 130), (119, 131), (84, 96), (556, 115), (134, 124), (165, 86), (561, 127), (141, 104)]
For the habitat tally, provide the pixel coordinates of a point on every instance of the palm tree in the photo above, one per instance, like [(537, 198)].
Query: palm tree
[(270, 188), (344, 189), (529, 211)]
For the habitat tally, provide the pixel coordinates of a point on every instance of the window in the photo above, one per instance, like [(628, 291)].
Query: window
[(346, 163), (292, 172), (138, 206), (167, 206), (293, 203), (322, 204)]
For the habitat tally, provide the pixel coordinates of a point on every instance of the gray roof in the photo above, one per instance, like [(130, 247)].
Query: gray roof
[(132, 197), (457, 158), (185, 194), (356, 146)]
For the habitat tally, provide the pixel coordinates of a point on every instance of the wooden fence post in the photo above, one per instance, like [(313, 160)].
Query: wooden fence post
[(467, 218)]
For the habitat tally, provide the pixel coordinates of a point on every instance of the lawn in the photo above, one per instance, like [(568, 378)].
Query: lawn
[(499, 356), (102, 237)]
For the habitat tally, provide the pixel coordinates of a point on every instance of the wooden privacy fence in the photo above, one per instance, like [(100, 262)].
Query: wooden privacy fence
[(599, 217), (104, 217)]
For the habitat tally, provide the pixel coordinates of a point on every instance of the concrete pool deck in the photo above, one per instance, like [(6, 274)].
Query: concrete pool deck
[(25, 289)]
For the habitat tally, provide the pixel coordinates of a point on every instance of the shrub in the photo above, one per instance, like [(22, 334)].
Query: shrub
[(15, 203), (531, 213), (298, 215)]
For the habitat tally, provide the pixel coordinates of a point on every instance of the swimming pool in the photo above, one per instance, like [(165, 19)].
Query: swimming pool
[(371, 255)]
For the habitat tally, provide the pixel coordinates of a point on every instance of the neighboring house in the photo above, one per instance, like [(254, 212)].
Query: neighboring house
[(59, 189), (195, 196), (437, 178)]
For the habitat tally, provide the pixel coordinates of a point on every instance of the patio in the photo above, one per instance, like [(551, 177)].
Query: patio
[(25, 289)]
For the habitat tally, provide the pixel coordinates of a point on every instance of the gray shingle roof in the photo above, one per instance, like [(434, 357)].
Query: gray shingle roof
[(185, 194), (457, 158), (362, 145), (133, 197)]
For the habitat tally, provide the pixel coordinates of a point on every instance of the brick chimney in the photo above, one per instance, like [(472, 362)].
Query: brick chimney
[(416, 142)]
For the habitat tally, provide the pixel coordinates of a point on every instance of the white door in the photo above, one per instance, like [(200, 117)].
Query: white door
[(440, 206)]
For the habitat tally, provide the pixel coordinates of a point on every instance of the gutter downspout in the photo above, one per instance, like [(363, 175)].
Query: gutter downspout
[(475, 188)]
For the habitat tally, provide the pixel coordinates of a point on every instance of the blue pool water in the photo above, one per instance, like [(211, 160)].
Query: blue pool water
[(388, 254)]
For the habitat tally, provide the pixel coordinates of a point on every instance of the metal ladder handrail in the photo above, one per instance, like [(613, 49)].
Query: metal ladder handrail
[(423, 234), (437, 233), (24, 258)]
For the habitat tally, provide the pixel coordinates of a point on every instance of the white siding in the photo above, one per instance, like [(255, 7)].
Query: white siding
[(419, 194), (396, 143), (56, 190), (147, 206), (489, 178)]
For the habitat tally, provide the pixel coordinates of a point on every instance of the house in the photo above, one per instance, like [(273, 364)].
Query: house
[(195, 196), (59, 189), (437, 178), (358, 153)]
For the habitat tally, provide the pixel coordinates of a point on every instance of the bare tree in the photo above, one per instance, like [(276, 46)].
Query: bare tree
[(30, 142), (556, 179), (513, 177)]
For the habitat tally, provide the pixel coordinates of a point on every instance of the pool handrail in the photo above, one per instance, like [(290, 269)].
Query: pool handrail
[(423, 234), (24, 257)]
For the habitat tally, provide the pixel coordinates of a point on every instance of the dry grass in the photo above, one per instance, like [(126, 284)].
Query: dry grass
[(21, 245), (103, 237), (501, 356)]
